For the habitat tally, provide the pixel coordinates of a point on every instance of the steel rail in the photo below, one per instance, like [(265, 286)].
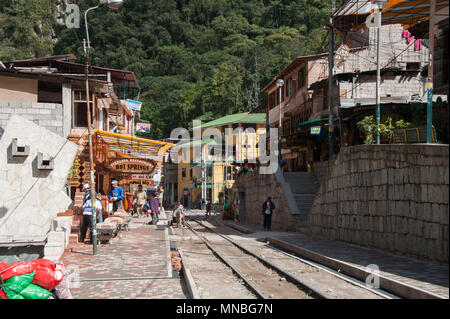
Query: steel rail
[(228, 263), (347, 278), (293, 279)]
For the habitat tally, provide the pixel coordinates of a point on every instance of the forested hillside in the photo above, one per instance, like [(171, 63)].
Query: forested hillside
[(193, 58)]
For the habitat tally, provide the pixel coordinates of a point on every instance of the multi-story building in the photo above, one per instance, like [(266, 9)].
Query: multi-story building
[(52, 93), (209, 176), (304, 96)]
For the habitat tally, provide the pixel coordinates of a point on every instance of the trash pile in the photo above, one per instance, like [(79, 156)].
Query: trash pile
[(37, 279)]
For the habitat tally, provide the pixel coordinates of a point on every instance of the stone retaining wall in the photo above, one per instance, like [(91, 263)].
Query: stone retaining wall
[(391, 197), (257, 188)]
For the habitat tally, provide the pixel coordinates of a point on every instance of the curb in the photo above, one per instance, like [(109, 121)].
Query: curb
[(388, 284), (192, 287), (238, 227)]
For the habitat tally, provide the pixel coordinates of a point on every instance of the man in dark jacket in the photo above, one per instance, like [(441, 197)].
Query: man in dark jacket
[(267, 211)]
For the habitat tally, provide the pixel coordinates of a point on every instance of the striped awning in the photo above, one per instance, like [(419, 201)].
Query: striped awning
[(405, 12), (135, 146), (408, 12)]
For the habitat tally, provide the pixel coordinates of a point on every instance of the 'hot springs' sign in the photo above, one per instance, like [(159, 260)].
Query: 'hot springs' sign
[(132, 165)]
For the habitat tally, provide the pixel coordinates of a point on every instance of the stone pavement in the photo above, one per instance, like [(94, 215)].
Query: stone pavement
[(428, 276), (135, 265)]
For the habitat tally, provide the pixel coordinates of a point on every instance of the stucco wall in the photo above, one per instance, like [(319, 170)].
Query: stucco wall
[(31, 198), (18, 89), (392, 197)]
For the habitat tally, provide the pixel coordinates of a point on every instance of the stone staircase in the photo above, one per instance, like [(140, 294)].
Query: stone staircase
[(304, 187)]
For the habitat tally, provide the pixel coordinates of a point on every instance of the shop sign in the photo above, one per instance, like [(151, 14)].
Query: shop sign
[(315, 130), (133, 105), (132, 165), (142, 176), (143, 127)]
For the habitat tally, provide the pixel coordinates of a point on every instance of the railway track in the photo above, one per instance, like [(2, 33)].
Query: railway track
[(271, 273), (264, 280)]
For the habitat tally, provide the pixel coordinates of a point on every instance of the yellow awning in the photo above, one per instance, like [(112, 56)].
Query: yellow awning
[(135, 146)]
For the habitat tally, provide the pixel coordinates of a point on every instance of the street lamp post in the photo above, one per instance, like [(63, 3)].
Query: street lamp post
[(380, 4), (280, 84), (430, 73), (114, 4)]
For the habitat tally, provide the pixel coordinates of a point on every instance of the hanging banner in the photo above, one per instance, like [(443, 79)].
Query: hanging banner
[(132, 165), (133, 105), (143, 127)]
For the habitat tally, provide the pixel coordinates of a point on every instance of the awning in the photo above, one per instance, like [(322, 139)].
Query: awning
[(409, 12), (349, 103), (135, 146), (310, 122), (405, 12)]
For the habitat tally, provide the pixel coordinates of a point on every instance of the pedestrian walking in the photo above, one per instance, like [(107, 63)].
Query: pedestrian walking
[(87, 218), (140, 198), (208, 209), (161, 198), (267, 211), (178, 214), (116, 196), (99, 208), (87, 192), (154, 209)]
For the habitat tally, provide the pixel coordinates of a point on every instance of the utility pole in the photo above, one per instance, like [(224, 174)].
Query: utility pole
[(91, 155), (430, 73)]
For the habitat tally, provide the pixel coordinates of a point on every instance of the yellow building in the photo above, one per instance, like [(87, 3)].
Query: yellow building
[(244, 129)]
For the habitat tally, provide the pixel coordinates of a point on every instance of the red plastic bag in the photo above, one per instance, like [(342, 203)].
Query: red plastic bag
[(2, 294), (48, 273), (17, 269)]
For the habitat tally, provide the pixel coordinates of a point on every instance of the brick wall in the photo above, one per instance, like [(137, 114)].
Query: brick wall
[(391, 197), (48, 115)]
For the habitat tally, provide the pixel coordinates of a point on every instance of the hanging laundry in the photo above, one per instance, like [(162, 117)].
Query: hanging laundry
[(418, 45), (406, 34)]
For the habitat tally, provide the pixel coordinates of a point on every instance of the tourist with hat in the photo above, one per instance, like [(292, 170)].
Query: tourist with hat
[(116, 196)]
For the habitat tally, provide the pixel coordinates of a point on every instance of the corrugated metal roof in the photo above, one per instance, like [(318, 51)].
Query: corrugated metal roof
[(237, 118)]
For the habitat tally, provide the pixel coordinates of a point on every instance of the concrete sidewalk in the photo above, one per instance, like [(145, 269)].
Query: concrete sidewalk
[(406, 277), (135, 265)]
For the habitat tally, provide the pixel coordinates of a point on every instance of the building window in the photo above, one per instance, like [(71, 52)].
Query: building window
[(301, 78), (227, 173), (80, 110)]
